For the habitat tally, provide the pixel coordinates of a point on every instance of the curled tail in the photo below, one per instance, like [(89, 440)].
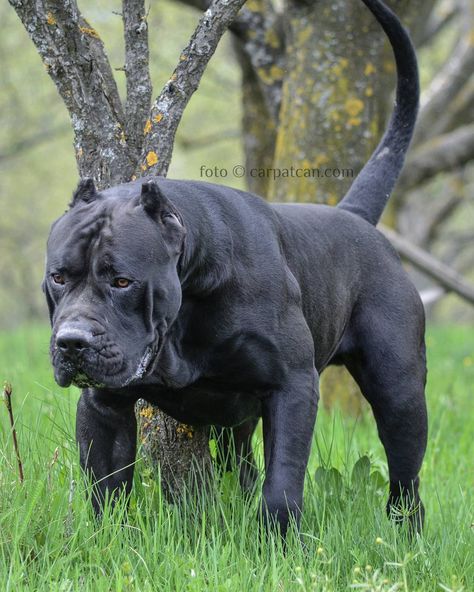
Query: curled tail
[(371, 189)]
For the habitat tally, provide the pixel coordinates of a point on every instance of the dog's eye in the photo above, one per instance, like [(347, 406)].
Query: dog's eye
[(58, 279), (121, 283)]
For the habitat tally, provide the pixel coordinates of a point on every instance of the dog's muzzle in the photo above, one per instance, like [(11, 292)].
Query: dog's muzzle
[(83, 357), (87, 359)]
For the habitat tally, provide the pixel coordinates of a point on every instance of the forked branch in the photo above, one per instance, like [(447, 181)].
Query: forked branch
[(168, 108)]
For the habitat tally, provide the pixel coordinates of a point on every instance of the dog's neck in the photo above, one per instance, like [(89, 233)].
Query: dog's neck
[(205, 263)]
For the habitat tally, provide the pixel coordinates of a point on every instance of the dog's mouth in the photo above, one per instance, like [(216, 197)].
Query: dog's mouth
[(91, 369), (86, 373), (64, 374), (82, 380), (67, 374)]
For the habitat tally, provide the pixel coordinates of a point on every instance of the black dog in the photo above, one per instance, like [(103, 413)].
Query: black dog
[(221, 308)]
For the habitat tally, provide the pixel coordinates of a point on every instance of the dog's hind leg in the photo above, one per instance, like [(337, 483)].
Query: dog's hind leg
[(386, 356), (234, 446)]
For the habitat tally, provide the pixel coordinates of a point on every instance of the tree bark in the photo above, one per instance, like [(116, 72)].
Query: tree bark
[(139, 89), (179, 452), (329, 98), (75, 58)]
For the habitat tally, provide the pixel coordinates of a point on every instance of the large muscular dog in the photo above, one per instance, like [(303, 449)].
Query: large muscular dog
[(221, 308)]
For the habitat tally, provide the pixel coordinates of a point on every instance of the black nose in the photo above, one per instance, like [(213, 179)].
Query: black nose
[(73, 341)]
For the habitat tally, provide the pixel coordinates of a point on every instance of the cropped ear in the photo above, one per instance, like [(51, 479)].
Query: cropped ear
[(158, 205), (160, 209), (85, 192)]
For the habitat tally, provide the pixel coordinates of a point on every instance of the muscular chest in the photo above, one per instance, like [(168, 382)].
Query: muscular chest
[(221, 384), (206, 403)]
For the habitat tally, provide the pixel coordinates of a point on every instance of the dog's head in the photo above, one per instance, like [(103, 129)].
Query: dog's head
[(112, 284)]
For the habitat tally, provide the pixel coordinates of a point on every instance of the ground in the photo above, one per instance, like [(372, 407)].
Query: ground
[(50, 542)]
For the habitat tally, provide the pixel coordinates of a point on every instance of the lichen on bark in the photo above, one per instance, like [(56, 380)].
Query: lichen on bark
[(335, 99), (172, 448)]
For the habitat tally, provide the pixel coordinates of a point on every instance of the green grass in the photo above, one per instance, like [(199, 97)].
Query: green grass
[(49, 541)]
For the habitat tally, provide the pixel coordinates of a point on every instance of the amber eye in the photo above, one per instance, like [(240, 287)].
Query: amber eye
[(58, 278), (121, 283)]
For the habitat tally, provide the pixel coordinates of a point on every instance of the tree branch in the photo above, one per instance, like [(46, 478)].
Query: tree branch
[(75, 59), (259, 29), (444, 213), (443, 89), (461, 109), (441, 273), (442, 154), (438, 21), (137, 72), (168, 108), (431, 296)]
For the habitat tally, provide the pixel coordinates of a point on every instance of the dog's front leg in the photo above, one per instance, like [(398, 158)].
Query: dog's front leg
[(106, 431), (288, 422)]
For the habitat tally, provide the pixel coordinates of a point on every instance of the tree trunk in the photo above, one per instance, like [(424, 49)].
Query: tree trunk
[(258, 127), (335, 96), (180, 452)]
